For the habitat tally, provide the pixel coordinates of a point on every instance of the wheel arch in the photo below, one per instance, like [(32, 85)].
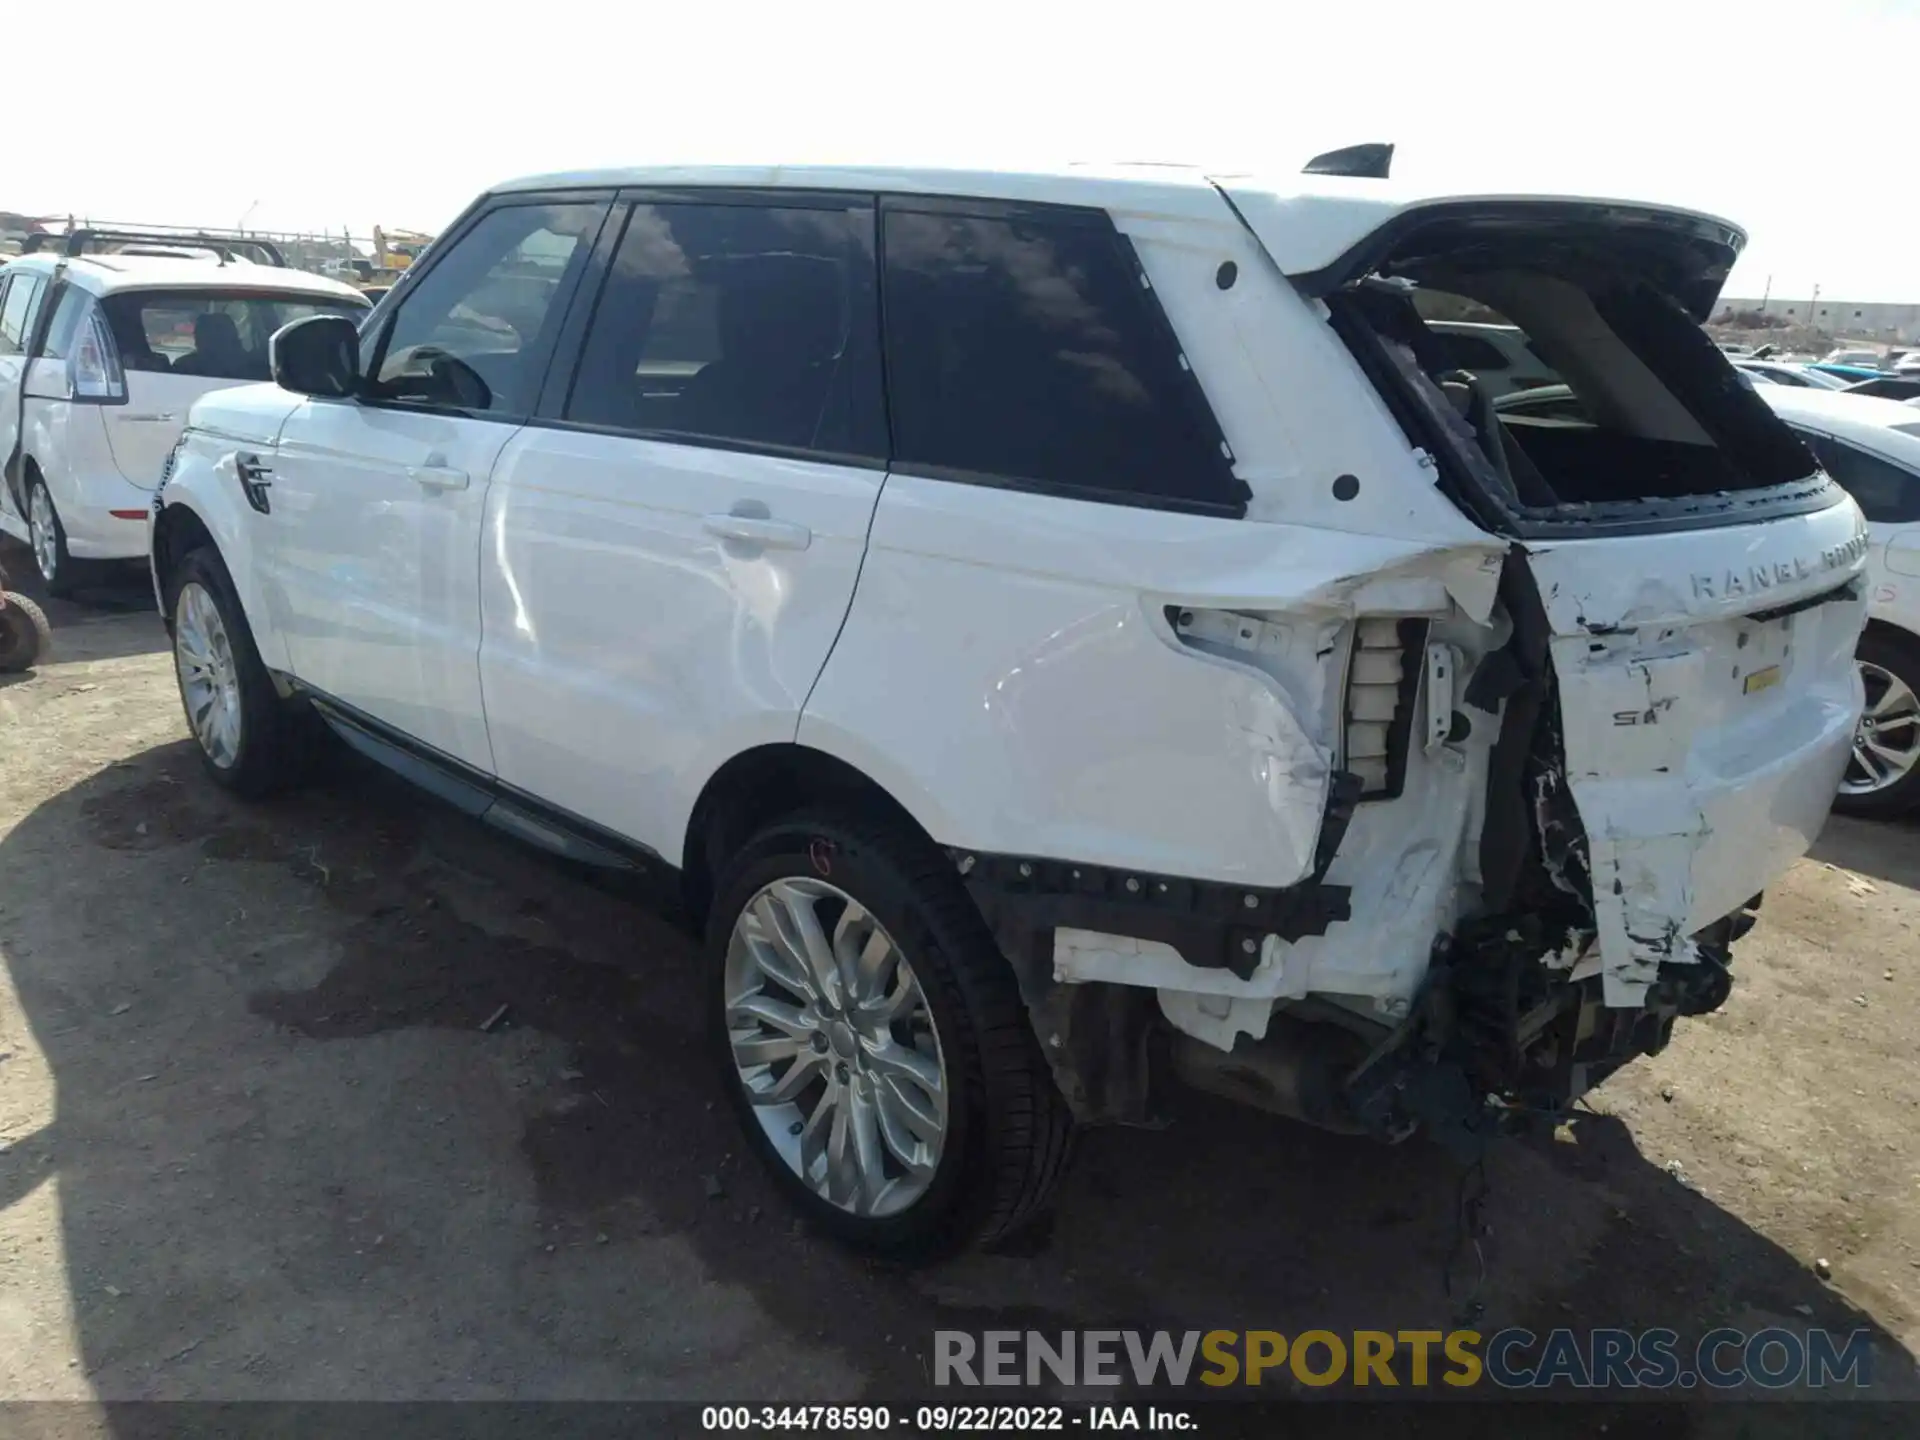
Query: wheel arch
[(758, 786), (1890, 633), (177, 531)]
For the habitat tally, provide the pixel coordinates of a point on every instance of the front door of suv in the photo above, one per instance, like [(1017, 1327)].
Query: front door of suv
[(671, 546), (376, 503)]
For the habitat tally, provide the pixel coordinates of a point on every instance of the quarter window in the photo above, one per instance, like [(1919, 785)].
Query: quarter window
[(1029, 350), (749, 324), (67, 311), (473, 332)]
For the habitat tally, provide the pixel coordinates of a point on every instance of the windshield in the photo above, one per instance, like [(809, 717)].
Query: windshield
[(211, 334)]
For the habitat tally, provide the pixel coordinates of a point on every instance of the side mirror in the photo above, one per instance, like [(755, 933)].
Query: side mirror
[(319, 355)]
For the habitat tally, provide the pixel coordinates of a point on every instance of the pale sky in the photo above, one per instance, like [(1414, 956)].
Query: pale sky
[(1795, 121)]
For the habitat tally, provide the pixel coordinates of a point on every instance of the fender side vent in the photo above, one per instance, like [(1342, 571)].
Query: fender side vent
[(1383, 683)]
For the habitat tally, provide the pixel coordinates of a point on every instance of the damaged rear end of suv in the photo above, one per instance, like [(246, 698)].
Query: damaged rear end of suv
[(1657, 703), (1564, 686)]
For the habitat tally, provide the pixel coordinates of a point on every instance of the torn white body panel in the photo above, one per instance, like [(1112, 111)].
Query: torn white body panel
[(1705, 729), (1410, 862)]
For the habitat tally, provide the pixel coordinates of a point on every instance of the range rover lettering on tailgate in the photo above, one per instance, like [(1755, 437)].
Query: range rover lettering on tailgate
[(1069, 633)]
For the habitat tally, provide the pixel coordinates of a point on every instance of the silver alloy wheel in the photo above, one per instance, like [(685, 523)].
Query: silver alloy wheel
[(209, 679), (45, 532), (835, 1043), (1886, 746)]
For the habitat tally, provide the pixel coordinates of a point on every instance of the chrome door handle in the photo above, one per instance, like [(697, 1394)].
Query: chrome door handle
[(156, 417), (437, 477), (758, 530)]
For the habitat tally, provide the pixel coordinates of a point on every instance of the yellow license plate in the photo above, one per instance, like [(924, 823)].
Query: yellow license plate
[(1761, 680)]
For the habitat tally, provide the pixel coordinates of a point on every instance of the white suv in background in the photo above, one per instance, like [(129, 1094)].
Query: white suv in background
[(1872, 447), (100, 357), (1066, 631)]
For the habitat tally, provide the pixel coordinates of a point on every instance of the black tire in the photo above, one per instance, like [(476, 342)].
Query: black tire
[(68, 574), (1009, 1132), (275, 741), (25, 637), (1899, 657)]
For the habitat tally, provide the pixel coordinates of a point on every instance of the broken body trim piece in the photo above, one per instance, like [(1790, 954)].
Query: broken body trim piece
[(1696, 785)]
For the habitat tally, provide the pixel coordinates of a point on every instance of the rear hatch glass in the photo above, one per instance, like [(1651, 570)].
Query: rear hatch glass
[(209, 334), (1607, 296), (176, 345)]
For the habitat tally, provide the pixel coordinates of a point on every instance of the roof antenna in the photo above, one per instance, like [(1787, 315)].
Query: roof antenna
[(1360, 162)]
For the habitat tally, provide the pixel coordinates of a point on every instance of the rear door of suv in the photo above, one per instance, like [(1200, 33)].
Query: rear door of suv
[(672, 543)]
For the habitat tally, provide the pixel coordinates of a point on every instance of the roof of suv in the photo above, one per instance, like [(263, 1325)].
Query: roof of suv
[(105, 274), (1325, 215)]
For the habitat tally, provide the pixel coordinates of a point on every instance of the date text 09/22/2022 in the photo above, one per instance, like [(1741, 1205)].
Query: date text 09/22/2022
[(926, 1419)]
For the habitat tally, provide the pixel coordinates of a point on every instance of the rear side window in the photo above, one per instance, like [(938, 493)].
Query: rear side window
[(1883, 491), (473, 333), (211, 334), (17, 309), (750, 324), (1028, 350)]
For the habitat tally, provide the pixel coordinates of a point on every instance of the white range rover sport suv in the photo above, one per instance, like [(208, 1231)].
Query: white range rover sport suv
[(1069, 633)]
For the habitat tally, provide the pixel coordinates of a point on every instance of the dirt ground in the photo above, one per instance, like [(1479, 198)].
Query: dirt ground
[(256, 1144)]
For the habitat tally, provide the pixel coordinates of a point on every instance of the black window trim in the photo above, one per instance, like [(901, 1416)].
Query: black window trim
[(601, 195), (1192, 393), (569, 348)]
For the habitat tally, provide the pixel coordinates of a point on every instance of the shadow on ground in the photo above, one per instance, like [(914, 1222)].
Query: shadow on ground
[(1884, 849), (113, 616), (353, 1097)]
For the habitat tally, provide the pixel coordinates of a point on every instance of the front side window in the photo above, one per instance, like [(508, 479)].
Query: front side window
[(473, 332), (746, 323), (212, 334), (1029, 349), (1883, 490)]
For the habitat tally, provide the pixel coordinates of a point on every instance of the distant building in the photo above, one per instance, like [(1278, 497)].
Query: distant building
[(1854, 319)]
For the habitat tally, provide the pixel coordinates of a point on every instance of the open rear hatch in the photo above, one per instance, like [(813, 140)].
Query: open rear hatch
[(1678, 696)]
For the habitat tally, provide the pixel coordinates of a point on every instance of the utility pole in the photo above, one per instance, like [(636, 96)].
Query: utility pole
[(1766, 294)]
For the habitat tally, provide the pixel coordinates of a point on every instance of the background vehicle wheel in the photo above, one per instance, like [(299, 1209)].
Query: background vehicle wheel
[(1883, 777), (59, 571), (250, 740), (25, 637), (873, 1042)]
